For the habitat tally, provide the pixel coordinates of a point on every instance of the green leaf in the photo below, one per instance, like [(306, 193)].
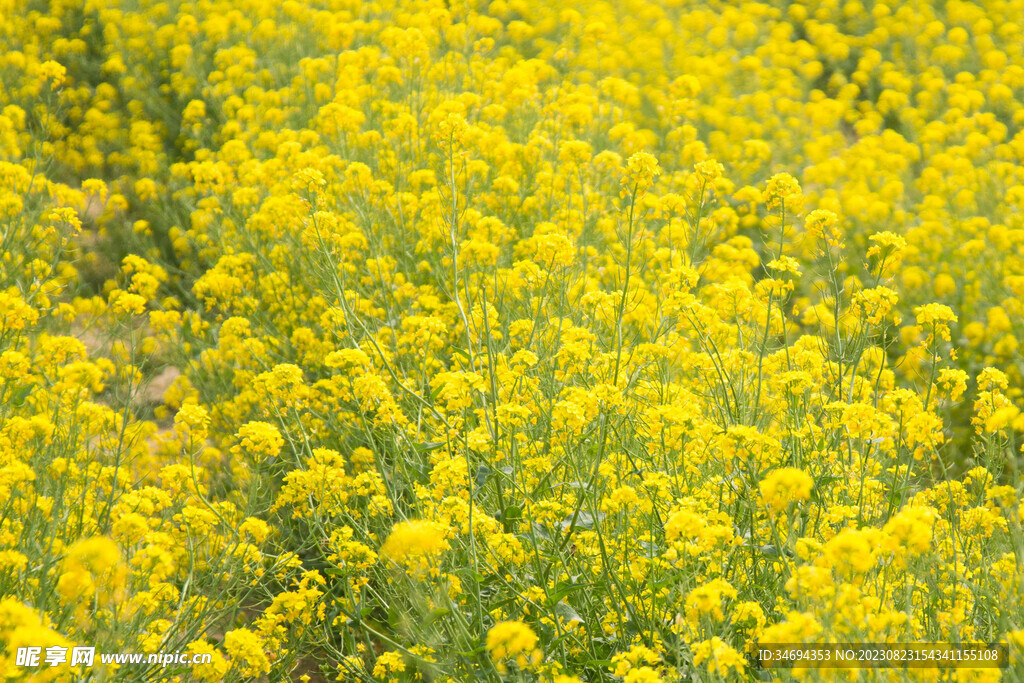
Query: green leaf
[(565, 612), (511, 513), (541, 531), (599, 662), (455, 350), (563, 589), (483, 473), (437, 613), (584, 520)]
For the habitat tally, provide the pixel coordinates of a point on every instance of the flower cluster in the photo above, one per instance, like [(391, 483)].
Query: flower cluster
[(456, 340)]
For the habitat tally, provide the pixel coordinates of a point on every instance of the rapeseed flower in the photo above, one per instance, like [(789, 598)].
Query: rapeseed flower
[(415, 544), (513, 641), (784, 486), (577, 338)]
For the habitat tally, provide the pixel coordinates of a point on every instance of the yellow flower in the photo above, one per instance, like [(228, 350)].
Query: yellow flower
[(553, 250), (910, 530), (195, 418), (643, 674), (641, 170), (635, 658), (415, 544), (708, 170), (126, 303), (388, 666), (784, 486), (888, 249), (876, 304), (991, 378), (851, 552), (935, 320), (719, 657), (821, 224), (515, 641), (390, 237), (68, 217), (811, 582), (952, 382), (217, 667), (783, 192), (22, 626), (95, 186), (259, 440), (92, 567), (15, 314), (308, 180), (53, 72), (245, 650), (709, 600), (451, 132), (257, 529)]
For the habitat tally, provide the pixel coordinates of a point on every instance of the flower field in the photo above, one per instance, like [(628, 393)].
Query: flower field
[(446, 340)]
